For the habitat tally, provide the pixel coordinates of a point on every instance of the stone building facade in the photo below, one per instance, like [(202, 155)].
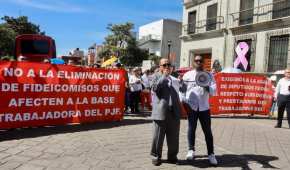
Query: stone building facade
[(216, 28)]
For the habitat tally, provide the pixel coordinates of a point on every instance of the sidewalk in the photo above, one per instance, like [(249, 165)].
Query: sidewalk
[(240, 143)]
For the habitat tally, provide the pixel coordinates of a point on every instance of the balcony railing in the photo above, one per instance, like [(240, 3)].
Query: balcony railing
[(150, 37), (260, 14), (189, 3), (203, 26)]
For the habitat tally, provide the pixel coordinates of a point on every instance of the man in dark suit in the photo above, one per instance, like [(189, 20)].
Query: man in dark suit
[(165, 113)]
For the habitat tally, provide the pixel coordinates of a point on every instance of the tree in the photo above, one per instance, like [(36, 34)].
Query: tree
[(121, 34), (21, 25), (7, 39), (154, 58), (11, 28), (134, 55), (123, 44)]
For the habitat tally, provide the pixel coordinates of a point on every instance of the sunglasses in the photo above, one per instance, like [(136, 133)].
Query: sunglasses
[(198, 61), (166, 65)]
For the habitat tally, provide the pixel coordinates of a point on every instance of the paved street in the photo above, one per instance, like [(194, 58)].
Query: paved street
[(240, 143)]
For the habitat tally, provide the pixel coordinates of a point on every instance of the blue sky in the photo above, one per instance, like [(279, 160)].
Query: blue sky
[(80, 23)]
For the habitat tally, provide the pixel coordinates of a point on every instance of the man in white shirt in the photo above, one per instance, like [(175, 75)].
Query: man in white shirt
[(198, 99), (282, 94), (135, 87)]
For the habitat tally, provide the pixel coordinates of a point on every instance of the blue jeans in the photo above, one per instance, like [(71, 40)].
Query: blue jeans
[(205, 121)]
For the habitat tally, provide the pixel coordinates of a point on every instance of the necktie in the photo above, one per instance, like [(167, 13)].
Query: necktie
[(169, 85)]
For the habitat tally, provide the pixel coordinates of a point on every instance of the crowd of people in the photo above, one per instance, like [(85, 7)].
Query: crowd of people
[(166, 94), (138, 91), (138, 88)]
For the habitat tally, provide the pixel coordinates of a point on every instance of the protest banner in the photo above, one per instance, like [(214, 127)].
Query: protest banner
[(242, 93), (36, 94)]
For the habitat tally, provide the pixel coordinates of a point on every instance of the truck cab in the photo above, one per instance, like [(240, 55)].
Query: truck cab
[(34, 48)]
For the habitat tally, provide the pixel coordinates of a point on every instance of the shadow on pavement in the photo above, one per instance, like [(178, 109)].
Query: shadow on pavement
[(241, 117), (21, 133), (234, 161), (141, 114)]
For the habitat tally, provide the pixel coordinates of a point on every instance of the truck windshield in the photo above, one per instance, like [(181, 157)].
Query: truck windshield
[(34, 47)]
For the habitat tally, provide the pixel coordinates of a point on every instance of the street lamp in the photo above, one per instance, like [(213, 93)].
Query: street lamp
[(169, 43)]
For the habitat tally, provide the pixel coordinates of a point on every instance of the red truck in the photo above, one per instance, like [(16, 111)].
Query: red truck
[(35, 48)]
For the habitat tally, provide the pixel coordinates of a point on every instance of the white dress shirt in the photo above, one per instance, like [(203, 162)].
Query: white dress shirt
[(145, 81), (134, 86), (197, 97), (282, 87)]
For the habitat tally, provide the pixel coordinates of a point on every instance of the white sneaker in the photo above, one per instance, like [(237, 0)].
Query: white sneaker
[(212, 159), (190, 155)]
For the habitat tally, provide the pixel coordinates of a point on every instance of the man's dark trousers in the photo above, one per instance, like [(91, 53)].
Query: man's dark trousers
[(283, 102), (169, 127), (205, 121)]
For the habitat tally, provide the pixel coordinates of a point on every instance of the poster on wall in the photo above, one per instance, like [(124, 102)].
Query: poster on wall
[(243, 55)]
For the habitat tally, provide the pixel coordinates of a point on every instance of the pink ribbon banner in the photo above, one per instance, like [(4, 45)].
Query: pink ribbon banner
[(241, 50)]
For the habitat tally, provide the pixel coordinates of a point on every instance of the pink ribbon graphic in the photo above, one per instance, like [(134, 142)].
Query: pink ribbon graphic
[(241, 51)]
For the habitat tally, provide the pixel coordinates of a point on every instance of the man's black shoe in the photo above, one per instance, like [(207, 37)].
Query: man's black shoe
[(156, 162), (277, 126), (173, 161)]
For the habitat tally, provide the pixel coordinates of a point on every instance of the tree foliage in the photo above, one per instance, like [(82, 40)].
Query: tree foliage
[(12, 27), (7, 39), (123, 44)]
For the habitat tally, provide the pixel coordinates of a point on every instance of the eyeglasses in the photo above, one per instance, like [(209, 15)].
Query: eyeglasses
[(166, 65), (198, 61)]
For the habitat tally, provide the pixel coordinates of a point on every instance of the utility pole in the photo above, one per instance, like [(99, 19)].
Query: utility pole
[(169, 43)]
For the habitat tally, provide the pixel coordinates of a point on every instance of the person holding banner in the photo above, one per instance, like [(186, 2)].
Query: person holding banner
[(282, 96), (165, 113), (197, 98)]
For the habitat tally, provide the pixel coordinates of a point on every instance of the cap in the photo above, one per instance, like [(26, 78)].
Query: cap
[(135, 68), (273, 78)]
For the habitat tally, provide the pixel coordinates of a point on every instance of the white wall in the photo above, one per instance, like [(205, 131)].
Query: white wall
[(172, 32), (154, 47), (260, 52), (154, 28), (214, 45), (166, 29)]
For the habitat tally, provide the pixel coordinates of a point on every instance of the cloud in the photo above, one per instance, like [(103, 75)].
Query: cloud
[(50, 5)]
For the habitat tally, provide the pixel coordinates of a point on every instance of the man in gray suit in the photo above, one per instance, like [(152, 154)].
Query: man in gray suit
[(165, 114)]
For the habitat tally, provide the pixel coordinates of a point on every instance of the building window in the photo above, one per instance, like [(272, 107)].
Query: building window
[(211, 17), (281, 8), (248, 55), (191, 22), (278, 53), (247, 12)]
